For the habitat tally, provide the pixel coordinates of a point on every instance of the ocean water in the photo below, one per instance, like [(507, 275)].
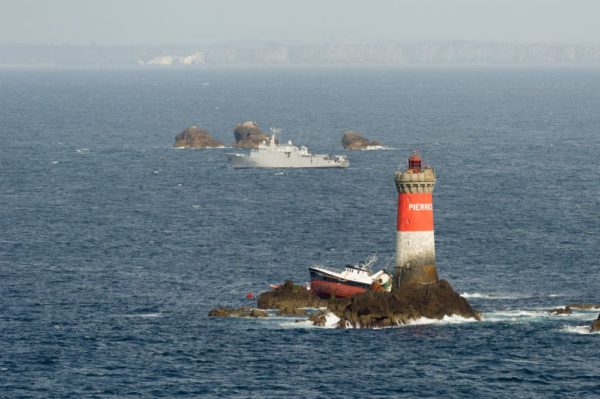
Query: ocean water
[(114, 246)]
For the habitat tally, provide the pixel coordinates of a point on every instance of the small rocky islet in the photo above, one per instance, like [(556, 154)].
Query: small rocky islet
[(249, 135), (353, 140), (371, 309), (196, 137)]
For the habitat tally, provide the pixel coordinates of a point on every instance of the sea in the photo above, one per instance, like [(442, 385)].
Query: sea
[(114, 245)]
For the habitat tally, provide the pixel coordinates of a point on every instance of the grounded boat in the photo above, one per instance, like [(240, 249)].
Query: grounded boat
[(355, 279), (273, 155)]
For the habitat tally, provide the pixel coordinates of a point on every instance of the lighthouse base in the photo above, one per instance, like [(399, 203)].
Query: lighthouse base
[(415, 275)]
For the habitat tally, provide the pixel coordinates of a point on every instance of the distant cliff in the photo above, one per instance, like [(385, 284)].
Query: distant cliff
[(327, 53), (428, 53)]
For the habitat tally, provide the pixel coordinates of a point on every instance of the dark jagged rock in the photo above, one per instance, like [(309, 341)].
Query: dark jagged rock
[(595, 325), (195, 137), (248, 135), (584, 306), (352, 140), (239, 312), (228, 312), (221, 312), (566, 310), (288, 298), (413, 301)]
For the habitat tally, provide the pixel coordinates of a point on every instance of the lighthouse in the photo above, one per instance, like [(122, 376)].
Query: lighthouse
[(415, 246)]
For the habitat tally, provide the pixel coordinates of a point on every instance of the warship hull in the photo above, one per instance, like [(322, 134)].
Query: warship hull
[(280, 160)]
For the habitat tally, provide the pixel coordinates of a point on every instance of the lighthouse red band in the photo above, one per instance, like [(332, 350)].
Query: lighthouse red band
[(415, 212)]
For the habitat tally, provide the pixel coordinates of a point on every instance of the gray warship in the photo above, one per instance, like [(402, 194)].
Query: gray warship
[(273, 155)]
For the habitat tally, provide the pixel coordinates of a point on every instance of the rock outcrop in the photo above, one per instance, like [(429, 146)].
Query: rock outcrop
[(289, 298), (368, 310), (595, 325), (239, 312), (195, 137), (413, 301), (352, 140), (248, 135), (558, 311)]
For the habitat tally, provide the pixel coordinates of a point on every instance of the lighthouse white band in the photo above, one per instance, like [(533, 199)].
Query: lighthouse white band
[(415, 248)]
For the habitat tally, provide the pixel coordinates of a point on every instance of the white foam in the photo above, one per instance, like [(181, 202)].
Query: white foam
[(453, 319), (530, 315), (522, 316), (474, 295), (376, 148), (479, 295), (82, 150), (515, 314), (297, 323), (331, 321), (150, 315), (446, 320), (145, 315), (578, 330)]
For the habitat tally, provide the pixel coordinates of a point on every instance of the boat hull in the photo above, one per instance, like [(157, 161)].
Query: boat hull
[(326, 285), (331, 289)]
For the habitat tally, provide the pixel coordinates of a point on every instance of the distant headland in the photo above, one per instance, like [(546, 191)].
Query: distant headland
[(330, 53)]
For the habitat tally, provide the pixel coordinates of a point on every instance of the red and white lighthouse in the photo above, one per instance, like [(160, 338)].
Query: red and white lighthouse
[(415, 245)]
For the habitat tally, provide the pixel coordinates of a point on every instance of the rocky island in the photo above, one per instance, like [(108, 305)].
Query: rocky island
[(195, 137), (248, 135), (358, 300), (372, 309), (352, 140)]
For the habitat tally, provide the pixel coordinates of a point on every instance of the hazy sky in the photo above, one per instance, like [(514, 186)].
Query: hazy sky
[(184, 22)]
